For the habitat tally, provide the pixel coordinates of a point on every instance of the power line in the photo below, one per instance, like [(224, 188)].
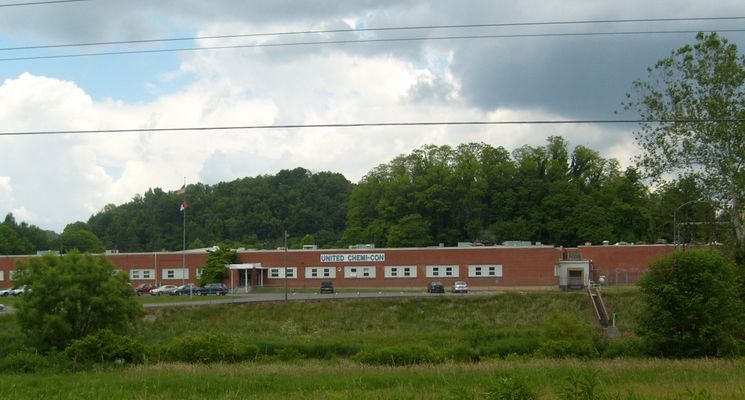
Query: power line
[(360, 30), (36, 3), (372, 124), (354, 41)]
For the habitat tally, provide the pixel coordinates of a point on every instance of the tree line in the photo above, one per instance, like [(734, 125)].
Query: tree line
[(474, 192)]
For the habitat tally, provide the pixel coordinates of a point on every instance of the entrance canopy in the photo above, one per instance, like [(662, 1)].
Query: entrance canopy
[(245, 268)]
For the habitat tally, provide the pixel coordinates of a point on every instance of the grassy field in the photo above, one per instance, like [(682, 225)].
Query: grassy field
[(615, 379), (311, 350)]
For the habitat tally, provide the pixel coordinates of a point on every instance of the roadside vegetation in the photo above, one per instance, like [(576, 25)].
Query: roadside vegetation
[(439, 347), (507, 345)]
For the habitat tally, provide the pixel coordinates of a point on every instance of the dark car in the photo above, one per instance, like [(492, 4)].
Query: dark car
[(327, 287), (144, 288), (213, 288), (185, 290), (435, 287)]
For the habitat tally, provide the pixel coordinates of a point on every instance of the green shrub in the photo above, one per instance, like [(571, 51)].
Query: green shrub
[(566, 349), (325, 351), (624, 347), (106, 346), (399, 356), (25, 362), (565, 335), (289, 354), (692, 308), (510, 388), (211, 347), (514, 345)]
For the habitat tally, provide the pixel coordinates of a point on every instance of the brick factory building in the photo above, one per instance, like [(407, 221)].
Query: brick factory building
[(482, 267)]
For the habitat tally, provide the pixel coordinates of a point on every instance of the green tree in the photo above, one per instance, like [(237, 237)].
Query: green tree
[(691, 307), (693, 108), (77, 236), (215, 270), (11, 243), (410, 231), (71, 297)]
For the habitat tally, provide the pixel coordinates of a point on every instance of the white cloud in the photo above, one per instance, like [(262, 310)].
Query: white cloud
[(54, 180)]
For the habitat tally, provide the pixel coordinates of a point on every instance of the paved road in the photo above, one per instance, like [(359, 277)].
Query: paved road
[(277, 297)]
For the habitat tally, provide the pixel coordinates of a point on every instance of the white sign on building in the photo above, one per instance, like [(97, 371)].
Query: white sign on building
[(349, 258)]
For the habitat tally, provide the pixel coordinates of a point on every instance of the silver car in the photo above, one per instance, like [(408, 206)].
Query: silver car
[(460, 287)]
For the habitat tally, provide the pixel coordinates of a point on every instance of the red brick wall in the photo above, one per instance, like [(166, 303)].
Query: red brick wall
[(622, 264), (521, 266)]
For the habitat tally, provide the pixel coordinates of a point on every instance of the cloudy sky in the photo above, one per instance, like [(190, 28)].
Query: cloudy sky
[(53, 180)]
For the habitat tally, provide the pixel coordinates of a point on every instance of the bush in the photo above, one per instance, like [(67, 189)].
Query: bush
[(25, 362), (289, 354), (72, 297), (566, 349), (106, 346), (211, 347), (396, 356), (691, 306), (514, 345), (565, 335), (631, 347)]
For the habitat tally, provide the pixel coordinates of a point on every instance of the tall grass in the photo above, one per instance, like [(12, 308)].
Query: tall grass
[(616, 379)]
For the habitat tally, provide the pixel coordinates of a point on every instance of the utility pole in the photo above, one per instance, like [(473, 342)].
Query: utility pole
[(285, 265)]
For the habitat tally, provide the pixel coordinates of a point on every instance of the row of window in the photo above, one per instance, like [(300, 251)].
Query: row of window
[(166, 273), (399, 271)]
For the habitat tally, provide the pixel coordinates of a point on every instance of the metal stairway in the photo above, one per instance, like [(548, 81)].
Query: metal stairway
[(601, 313)]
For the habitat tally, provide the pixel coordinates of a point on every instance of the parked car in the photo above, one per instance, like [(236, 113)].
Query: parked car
[(159, 291), (327, 287), (185, 290), (460, 287), (213, 288), (144, 288), (5, 292), (18, 291), (435, 287)]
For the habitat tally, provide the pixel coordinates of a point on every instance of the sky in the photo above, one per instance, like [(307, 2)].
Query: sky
[(53, 180)]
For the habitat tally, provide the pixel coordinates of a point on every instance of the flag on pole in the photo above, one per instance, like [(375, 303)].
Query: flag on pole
[(184, 205), (182, 190)]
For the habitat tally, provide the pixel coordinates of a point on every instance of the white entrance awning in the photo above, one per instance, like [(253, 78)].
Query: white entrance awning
[(246, 266)]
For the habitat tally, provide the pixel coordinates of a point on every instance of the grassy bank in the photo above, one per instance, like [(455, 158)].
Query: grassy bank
[(621, 379)]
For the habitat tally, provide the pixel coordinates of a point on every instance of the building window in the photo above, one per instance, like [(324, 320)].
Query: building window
[(434, 271), (2, 275), (359, 272), (279, 273), (485, 271), (175, 273), (400, 271), (320, 272), (141, 273)]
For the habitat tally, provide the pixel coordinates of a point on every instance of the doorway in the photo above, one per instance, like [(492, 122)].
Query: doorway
[(576, 279)]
